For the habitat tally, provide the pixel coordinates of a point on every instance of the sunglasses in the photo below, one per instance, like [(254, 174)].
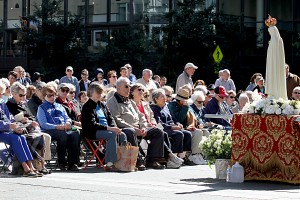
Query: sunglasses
[(146, 96), (114, 76), (231, 97), (168, 96), (127, 86), (296, 92), (72, 92), (22, 95), (200, 102), (64, 90), (140, 89), (50, 95)]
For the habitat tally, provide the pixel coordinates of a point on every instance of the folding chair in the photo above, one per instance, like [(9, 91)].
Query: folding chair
[(6, 157), (96, 146), (52, 164)]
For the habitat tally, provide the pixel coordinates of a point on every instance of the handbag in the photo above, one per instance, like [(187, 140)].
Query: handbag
[(126, 157)]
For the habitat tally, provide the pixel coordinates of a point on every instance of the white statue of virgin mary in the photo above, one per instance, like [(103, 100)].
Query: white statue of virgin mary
[(275, 70)]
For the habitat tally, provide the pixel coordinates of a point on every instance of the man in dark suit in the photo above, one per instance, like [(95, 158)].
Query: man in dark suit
[(84, 82)]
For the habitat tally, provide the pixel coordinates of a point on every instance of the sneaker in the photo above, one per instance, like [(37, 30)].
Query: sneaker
[(176, 160), (197, 159), (172, 165)]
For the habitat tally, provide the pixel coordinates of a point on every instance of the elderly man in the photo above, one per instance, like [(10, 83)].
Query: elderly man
[(296, 93), (226, 81), (243, 99), (69, 78), (21, 76), (217, 106), (134, 124), (292, 80), (131, 76), (186, 76), (147, 81)]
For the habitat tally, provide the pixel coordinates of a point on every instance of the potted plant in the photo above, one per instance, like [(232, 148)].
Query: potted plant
[(217, 150)]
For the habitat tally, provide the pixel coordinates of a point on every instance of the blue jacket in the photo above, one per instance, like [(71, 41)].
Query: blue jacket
[(6, 118), (49, 115), (212, 107), (163, 116)]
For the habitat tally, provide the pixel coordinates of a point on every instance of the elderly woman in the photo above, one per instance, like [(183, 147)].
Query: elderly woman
[(71, 98), (181, 139), (168, 92), (6, 95), (136, 94), (231, 99), (179, 110), (55, 121), (35, 138), (208, 95), (98, 123), (11, 133), (73, 110), (296, 93)]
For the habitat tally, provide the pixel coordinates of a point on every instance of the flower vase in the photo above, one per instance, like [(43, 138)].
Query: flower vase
[(221, 167)]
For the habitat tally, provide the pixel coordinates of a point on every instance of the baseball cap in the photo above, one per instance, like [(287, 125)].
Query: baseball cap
[(220, 90), (211, 87), (63, 85), (189, 65), (69, 68), (99, 70)]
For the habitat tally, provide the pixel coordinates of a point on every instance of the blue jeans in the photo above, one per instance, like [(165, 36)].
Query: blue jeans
[(18, 144), (111, 143)]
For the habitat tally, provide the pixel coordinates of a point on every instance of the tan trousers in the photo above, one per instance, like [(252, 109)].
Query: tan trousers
[(196, 139), (47, 139)]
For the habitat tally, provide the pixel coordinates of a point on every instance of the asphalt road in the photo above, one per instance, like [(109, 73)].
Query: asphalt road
[(189, 182)]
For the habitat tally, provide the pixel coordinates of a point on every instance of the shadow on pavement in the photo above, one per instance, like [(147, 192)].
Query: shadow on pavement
[(211, 184)]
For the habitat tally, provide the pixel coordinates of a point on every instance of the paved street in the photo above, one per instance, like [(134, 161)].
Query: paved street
[(193, 182)]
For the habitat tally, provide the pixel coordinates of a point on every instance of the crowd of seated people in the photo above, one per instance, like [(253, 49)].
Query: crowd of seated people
[(34, 113)]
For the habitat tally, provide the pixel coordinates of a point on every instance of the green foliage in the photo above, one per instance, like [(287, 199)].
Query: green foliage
[(54, 42)]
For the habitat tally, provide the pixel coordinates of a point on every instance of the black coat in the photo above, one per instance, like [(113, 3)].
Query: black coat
[(81, 85), (90, 121)]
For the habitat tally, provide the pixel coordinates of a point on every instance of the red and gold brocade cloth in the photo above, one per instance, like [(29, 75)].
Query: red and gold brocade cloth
[(268, 146)]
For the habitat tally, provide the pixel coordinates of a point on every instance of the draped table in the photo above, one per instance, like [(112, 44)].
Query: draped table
[(268, 146)]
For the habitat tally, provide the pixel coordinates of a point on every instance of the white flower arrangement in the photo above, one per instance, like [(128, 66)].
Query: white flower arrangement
[(217, 146), (272, 106)]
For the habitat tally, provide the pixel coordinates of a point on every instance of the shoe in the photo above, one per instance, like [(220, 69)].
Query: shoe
[(155, 165), (62, 167), (197, 159), (140, 165), (111, 168), (188, 162), (176, 160), (172, 165), (73, 167), (39, 174), (30, 174), (44, 171)]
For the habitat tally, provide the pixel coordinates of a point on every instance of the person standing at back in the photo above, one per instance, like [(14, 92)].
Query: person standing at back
[(69, 78), (226, 81), (84, 82), (186, 76), (292, 80)]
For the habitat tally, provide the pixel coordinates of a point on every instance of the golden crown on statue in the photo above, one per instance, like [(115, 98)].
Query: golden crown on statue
[(270, 21)]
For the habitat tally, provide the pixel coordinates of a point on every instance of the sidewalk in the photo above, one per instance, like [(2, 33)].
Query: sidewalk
[(190, 182)]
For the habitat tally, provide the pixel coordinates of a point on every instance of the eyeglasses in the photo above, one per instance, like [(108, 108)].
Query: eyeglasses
[(231, 97), (64, 90), (296, 92), (7, 87), (50, 95), (72, 92), (146, 96), (140, 89), (127, 86), (22, 95), (200, 102)]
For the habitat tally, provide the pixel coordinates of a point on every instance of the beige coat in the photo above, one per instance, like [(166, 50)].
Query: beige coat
[(126, 115)]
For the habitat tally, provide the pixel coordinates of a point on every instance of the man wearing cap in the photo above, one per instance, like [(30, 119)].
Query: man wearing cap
[(69, 78), (186, 76), (217, 106), (260, 85), (84, 82), (179, 110), (36, 99)]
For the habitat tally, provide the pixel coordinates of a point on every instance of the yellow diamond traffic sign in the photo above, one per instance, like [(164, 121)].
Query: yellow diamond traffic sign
[(218, 55)]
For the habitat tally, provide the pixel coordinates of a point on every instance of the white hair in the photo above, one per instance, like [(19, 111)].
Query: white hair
[(243, 96), (149, 71), (121, 80), (71, 87), (196, 95), (296, 88), (5, 81), (16, 87), (54, 84), (201, 88)]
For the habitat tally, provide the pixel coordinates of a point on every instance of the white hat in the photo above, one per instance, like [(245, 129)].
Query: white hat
[(189, 65), (69, 68)]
